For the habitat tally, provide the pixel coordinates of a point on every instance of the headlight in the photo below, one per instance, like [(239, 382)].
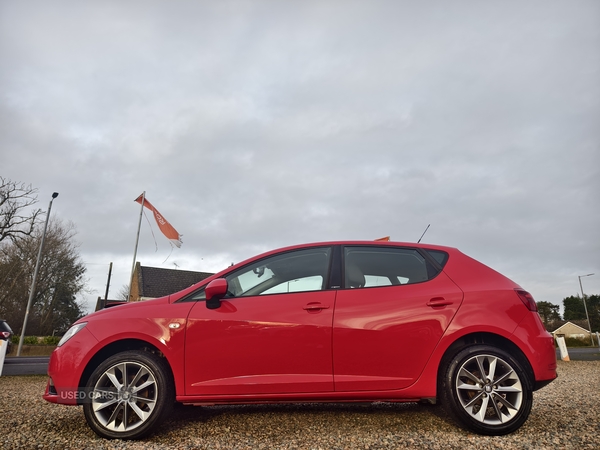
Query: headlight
[(72, 332)]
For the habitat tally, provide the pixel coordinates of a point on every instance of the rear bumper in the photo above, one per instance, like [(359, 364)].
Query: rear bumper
[(538, 346), (541, 384)]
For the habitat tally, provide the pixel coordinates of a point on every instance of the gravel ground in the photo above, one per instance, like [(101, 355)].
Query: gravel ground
[(565, 415)]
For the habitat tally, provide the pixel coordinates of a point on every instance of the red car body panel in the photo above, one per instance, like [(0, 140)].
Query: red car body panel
[(375, 343), (145, 321), (367, 323), (269, 345), (528, 333)]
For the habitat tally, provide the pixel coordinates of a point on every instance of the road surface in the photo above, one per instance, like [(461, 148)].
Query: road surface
[(581, 354), (25, 365)]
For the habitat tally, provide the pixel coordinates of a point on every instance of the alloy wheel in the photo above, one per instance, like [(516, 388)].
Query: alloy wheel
[(124, 396), (489, 389)]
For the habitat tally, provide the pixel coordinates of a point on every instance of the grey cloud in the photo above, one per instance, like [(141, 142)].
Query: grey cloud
[(258, 124)]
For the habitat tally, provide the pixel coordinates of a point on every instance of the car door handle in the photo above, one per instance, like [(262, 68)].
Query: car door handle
[(437, 302), (315, 307)]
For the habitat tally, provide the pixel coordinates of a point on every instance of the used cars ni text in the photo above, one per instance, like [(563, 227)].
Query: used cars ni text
[(347, 321)]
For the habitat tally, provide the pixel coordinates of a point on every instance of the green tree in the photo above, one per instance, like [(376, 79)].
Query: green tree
[(593, 306), (549, 312), (60, 280), (575, 310)]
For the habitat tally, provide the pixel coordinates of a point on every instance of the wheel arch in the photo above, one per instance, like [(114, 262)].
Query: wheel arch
[(117, 347), (487, 339)]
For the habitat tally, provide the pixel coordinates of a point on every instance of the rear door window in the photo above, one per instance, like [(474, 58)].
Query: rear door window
[(366, 266)]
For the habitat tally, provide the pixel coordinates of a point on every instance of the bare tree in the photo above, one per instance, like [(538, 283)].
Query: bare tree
[(123, 293), (15, 200)]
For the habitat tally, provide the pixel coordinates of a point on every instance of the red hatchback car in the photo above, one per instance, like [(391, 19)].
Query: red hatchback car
[(325, 322)]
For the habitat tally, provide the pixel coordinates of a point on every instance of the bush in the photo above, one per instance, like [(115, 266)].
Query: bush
[(576, 342), (30, 340), (34, 340), (51, 340)]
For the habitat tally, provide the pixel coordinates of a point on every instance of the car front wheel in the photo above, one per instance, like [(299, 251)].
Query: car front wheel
[(486, 390), (128, 394)]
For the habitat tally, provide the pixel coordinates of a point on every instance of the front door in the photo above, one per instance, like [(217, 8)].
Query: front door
[(271, 334)]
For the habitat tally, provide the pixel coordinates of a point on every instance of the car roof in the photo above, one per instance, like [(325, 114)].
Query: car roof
[(361, 242)]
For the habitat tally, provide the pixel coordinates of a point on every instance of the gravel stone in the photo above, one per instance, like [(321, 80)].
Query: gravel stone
[(565, 415)]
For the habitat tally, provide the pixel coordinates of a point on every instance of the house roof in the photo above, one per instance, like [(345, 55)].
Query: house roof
[(558, 330), (155, 282)]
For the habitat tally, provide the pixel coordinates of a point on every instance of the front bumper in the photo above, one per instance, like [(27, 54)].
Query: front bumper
[(66, 367)]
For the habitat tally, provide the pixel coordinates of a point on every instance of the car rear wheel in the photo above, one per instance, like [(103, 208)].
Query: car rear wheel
[(128, 394), (486, 390)]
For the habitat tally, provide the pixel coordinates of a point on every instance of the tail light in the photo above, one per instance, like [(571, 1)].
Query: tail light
[(527, 299), (4, 334)]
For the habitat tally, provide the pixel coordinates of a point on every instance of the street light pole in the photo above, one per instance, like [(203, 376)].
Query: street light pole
[(585, 306), (35, 274)]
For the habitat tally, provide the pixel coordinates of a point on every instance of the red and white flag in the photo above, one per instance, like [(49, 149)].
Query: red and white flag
[(166, 228)]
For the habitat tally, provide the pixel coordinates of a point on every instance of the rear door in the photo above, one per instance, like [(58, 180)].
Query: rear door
[(390, 314)]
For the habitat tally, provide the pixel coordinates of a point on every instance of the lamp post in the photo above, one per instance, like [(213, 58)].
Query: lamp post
[(584, 304), (35, 274)]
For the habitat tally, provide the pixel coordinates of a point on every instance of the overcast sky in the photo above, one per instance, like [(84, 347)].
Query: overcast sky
[(253, 125)]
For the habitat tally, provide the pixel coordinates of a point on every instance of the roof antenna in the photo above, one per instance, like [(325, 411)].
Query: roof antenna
[(419, 241)]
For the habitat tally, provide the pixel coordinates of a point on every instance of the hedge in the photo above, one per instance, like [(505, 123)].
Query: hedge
[(35, 340)]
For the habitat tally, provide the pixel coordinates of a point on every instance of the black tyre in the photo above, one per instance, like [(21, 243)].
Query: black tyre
[(486, 390), (128, 395)]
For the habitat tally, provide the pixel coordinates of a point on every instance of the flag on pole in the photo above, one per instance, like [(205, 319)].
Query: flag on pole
[(166, 228)]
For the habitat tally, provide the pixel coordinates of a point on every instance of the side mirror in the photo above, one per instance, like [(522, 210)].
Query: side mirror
[(214, 292)]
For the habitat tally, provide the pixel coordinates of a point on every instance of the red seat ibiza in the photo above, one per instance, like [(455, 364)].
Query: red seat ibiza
[(325, 322)]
